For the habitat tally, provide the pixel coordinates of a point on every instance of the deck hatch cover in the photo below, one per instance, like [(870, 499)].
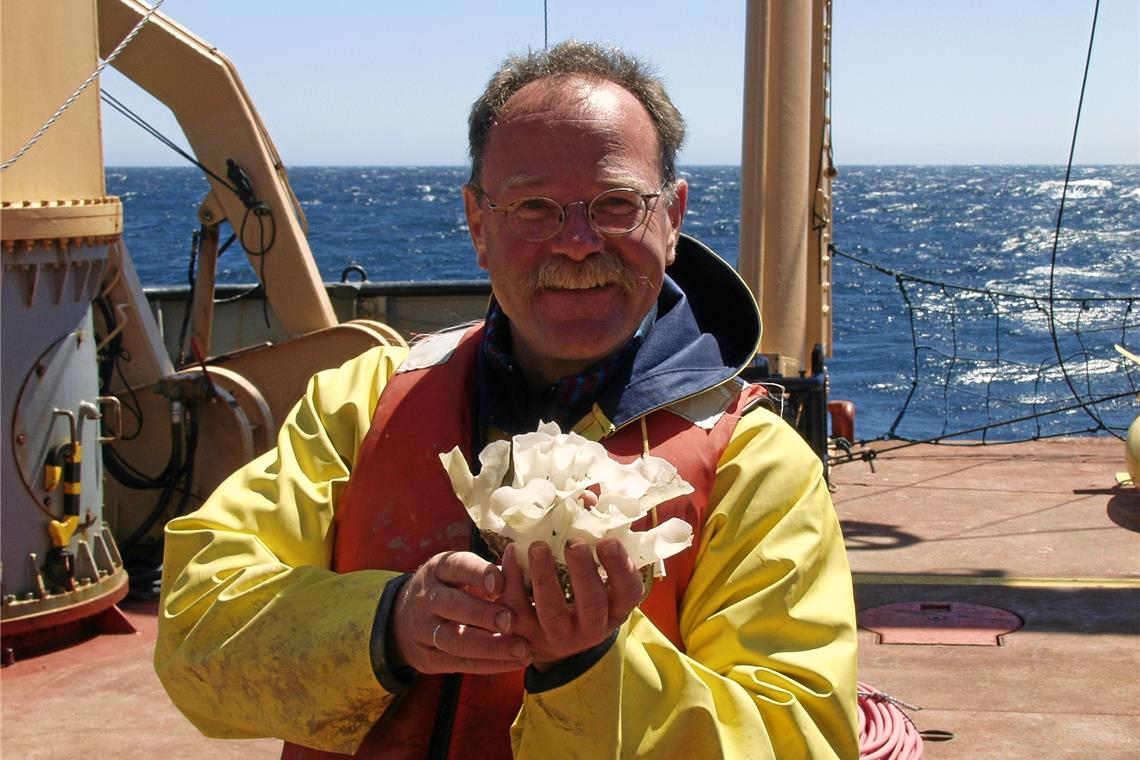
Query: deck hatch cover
[(947, 623)]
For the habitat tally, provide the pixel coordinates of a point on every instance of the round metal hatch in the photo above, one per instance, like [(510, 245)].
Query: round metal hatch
[(947, 623)]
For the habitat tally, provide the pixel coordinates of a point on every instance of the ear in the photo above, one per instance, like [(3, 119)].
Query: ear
[(474, 212), (676, 213)]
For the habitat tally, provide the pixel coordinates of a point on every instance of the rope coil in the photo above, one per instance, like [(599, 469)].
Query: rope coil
[(885, 731)]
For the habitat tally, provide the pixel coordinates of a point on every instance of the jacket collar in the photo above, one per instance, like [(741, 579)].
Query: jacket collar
[(705, 331)]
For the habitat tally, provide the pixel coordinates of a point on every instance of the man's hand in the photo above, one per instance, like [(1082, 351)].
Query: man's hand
[(555, 628), (447, 619)]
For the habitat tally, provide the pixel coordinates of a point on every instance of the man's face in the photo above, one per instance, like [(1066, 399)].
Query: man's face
[(578, 296)]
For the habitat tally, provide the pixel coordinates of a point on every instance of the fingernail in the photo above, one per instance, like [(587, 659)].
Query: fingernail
[(539, 550), (503, 621), (519, 651), (489, 583), (611, 549)]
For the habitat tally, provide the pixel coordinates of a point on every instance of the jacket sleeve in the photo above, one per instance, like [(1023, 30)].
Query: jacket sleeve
[(768, 621), (257, 636)]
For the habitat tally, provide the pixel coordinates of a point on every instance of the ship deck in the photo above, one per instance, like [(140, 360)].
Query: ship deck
[(1037, 529), (1040, 530)]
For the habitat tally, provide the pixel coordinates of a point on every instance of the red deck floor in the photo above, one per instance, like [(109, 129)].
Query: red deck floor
[(1040, 530)]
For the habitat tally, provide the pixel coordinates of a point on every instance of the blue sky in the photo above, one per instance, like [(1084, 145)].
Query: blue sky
[(915, 81)]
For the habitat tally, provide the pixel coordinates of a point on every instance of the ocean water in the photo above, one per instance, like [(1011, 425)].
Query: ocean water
[(952, 312)]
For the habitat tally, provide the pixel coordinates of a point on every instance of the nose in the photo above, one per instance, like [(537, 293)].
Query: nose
[(577, 239)]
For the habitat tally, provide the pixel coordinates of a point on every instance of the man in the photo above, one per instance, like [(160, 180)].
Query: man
[(333, 593)]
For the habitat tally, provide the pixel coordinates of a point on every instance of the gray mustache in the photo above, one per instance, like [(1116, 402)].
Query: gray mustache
[(597, 270)]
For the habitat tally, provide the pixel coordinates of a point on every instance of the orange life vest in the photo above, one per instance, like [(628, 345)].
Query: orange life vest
[(399, 509)]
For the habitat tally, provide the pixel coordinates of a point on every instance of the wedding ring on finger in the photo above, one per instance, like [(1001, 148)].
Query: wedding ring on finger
[(435, 636)]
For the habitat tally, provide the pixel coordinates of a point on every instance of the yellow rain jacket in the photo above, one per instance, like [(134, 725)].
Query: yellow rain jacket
[(258, 636)]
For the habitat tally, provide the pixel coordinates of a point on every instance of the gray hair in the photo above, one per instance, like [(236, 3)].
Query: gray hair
[(586, 59)]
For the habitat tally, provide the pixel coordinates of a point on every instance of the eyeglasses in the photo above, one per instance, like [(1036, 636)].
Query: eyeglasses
[(619, 211)]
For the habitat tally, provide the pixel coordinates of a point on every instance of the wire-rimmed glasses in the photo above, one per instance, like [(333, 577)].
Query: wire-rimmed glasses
[(618, 211)]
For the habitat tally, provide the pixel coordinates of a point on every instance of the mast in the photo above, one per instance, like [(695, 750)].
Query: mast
[(786, 179)]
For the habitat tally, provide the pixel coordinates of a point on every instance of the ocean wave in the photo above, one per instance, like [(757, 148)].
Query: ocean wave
[(1008, 373), (1039, 239), (719, 186), (1081, 188), (1045, 271), (1025, 320), (889, 387)]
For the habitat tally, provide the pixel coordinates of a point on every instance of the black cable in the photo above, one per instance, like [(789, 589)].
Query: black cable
[(238, 183), (132, 477), (260, 211), (143, 561), (135, 407), (244, 294), (192, 282), (115, 465), (1057, 235), (119, 106), (120, 469), (106, 362), (966, 288), (183, 452), (941, 439)]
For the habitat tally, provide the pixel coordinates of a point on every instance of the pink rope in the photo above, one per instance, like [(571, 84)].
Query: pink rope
[(885, 731)]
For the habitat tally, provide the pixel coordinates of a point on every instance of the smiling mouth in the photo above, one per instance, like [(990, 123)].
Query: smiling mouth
[(575, 278), (593, 274), (578, 285)]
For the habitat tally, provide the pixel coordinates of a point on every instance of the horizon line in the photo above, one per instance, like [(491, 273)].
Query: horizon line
[(680, 166)]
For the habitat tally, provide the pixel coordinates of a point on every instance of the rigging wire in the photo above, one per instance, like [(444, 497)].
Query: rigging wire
[(82, 88), (150, 129), (1057, 237), (897, 275), (545, 27), (238, 183)]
